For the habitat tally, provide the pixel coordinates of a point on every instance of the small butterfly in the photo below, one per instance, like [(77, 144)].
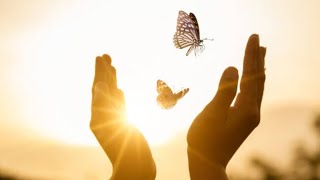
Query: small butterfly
[(188, 34), (166, 98)]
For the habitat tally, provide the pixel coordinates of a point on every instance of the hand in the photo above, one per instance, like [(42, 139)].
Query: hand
[(220, 129), (125, 146)]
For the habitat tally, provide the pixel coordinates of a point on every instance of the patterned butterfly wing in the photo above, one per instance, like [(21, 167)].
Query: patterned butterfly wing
[(163, 88), (164, 98), (187, 33), (196, 25), (181, 94)]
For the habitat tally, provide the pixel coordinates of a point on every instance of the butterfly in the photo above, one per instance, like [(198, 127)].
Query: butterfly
[(188, 34), (166, 98)]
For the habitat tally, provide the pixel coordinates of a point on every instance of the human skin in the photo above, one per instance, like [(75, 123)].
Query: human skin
[(219, 130), (125, 145), (213, 138)]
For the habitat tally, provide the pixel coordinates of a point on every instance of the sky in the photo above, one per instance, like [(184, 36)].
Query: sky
[(48, 51)]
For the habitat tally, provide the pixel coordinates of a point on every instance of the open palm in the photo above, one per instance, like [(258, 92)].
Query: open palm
[(125, 146), (219, 130)]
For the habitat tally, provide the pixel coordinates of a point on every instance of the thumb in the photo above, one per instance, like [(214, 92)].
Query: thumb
[(226, 91)]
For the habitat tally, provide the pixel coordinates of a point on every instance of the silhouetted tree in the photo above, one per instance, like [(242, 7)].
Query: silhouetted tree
[(6, 177), (267, 171), (304, 166)]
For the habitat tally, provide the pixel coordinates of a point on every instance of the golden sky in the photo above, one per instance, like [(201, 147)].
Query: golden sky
[(48, 50)]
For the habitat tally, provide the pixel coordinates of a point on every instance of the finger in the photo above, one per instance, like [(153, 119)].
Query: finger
[(100, 70), (105, 116), (111, 73), (106, 107), (121, 96), (113, 78), (107, 58), (226, 92), (248, 84), (120, 99), (101, 93), (261, 75)]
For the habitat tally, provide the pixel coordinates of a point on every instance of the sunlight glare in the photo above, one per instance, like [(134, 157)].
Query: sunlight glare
[(57, 70)]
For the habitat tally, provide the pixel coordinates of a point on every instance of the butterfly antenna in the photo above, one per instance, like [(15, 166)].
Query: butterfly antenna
[(208, 39)]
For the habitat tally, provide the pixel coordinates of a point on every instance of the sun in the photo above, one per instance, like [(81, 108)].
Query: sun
[(154, 123), (56, 79)]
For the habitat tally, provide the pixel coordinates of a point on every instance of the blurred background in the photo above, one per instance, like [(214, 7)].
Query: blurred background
[(48, 51)]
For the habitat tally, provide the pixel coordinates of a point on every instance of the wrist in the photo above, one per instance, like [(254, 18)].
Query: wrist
[(201, 168), (134, 173)]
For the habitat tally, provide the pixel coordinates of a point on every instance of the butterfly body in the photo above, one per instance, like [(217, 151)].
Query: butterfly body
[(188, 33), (167, 98)]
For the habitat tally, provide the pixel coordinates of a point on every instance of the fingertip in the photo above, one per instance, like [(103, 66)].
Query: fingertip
[(263, 51), (100, 64), (113, 78), (120, 95), (230, 74), (107, 58), (252, 51), (113, 70), (226, 91), (228, 83), (261, 62), (99, 59), (253, 43), (254, 37)]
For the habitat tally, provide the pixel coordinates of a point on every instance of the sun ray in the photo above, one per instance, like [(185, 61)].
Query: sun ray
[(122, 149)]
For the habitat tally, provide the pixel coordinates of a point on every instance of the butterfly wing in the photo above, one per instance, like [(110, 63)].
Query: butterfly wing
[(190, 49), (165, 99), (163, 88), (181, 93), (183, 22), (196, 25), (183, 38), (187, 33)]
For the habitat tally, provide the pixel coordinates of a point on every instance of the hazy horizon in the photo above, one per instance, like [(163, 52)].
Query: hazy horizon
[(33, 156)]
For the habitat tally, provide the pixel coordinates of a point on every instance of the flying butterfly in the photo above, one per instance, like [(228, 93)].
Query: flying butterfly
[(166, 98), (188, 33)]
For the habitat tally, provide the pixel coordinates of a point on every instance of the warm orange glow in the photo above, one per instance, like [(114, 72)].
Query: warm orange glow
[(48, 51)]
